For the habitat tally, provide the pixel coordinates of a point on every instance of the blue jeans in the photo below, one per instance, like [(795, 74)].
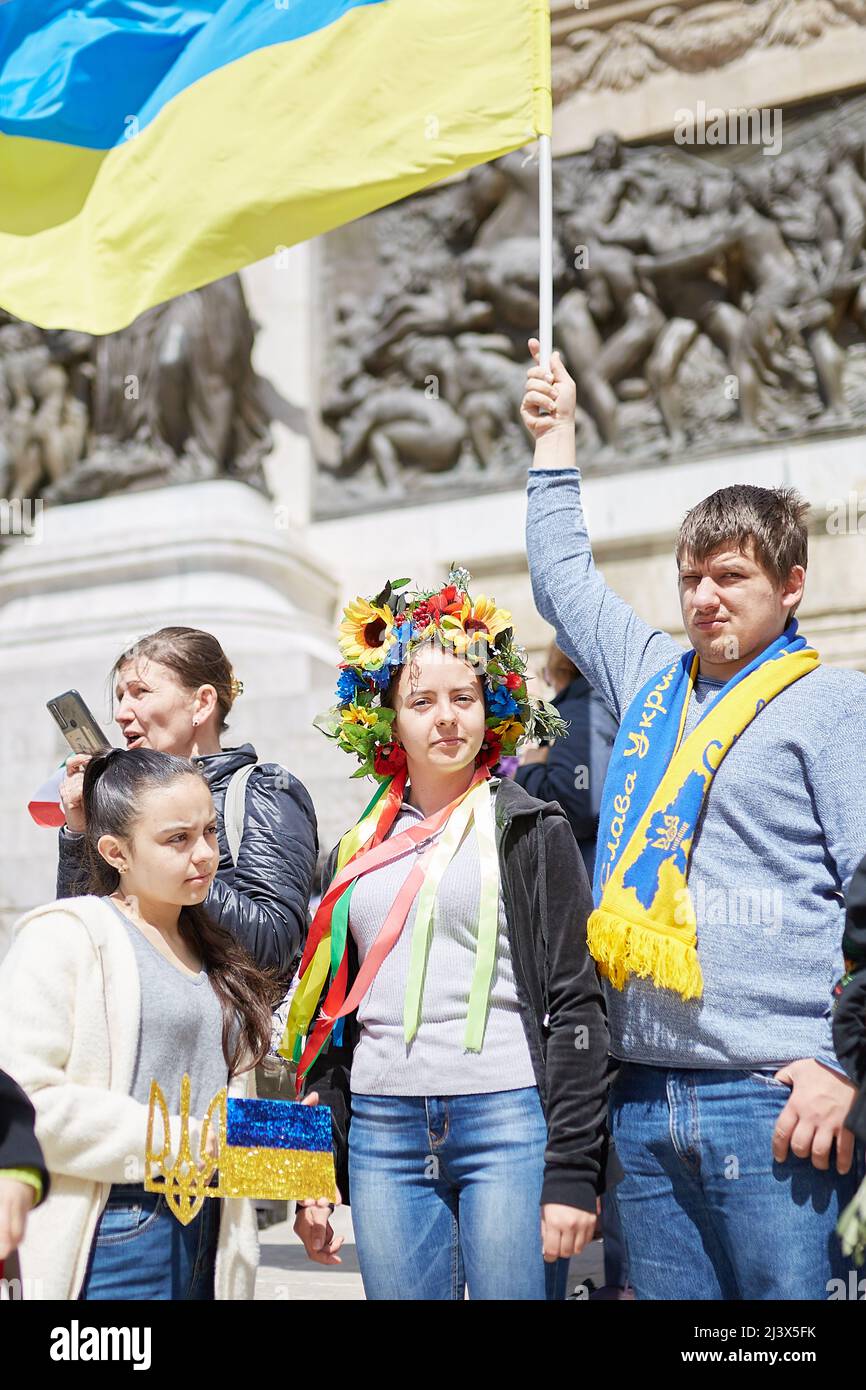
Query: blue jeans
[(141, 1251), (446, 1195), (706, 1210)]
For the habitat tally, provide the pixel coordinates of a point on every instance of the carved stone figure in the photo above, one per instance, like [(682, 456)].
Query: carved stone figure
[(616, 51), (172, 398), (702, 298), (42, 425)]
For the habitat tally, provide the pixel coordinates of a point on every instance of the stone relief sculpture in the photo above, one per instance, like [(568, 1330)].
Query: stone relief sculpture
[(703, 299), (596, 51), (173, 398)]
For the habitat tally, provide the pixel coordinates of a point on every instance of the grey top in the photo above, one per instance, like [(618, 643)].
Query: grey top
[(180, 1030), (435, 1063), (782, 829)]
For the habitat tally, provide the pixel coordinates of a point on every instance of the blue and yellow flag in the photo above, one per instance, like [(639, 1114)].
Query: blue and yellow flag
[(151, 146)]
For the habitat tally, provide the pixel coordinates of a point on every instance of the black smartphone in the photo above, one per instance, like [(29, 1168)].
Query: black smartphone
[(77, 724)]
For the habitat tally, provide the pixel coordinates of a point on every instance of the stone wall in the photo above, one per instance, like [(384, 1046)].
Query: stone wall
[(269, 576)]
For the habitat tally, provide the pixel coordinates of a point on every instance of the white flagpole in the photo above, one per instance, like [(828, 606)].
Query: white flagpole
[(545, 234)]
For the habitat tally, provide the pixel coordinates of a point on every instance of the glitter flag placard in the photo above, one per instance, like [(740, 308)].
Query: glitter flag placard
[(277, 1149)]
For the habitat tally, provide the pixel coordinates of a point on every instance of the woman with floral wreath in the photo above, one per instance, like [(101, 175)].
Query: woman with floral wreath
[(448, 1009)]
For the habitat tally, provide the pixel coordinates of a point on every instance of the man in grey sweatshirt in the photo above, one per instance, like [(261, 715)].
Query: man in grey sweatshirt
[(728, 1111)]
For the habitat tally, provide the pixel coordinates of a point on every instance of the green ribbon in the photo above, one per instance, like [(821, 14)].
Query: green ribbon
[(478, 805), (340, 927), (488, 924)]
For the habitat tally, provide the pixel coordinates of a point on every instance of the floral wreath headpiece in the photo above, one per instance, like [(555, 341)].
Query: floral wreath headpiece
[(379, 635)]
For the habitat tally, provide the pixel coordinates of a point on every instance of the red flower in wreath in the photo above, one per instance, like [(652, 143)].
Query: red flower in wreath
[(389, 759), (448, 600), (513, 681), (490, 751)]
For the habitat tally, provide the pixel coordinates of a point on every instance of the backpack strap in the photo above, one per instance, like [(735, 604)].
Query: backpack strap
[(234, 808)]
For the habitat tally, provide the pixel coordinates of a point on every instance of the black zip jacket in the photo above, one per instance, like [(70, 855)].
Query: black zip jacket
[(547, 901), (19, 1147), (587, 743), (849, 1019), (262, 900)]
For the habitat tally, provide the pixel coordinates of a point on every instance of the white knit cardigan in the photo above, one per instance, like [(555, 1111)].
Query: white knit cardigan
[(70, 1009)]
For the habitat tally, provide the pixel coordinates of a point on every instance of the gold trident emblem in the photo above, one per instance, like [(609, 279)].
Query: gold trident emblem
[(186, 1184)]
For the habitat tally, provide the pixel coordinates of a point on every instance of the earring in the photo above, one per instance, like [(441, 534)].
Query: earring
[(195, 723)]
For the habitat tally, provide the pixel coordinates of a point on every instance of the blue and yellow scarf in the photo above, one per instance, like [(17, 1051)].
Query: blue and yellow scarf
[(644, 920)]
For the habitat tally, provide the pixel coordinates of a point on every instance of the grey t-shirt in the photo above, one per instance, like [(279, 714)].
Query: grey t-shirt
[(180, 1029), (435, 1063)]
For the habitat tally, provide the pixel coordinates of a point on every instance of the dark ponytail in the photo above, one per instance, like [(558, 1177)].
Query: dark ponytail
[(110, 802), (113, 786)]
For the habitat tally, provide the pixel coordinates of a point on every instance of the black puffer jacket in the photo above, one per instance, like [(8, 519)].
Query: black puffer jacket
[(547, 901), (262, 900)]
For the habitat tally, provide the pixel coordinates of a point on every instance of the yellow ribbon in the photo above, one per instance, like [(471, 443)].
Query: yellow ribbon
[(478, 805)]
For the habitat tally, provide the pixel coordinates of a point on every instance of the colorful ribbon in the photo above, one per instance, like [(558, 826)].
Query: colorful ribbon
[(488, 925), (477, 805), (362, 850)]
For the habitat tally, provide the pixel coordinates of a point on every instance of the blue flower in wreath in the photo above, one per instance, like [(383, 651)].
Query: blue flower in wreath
[(349, 681), (381, 678), (501, 703), (399, 651)]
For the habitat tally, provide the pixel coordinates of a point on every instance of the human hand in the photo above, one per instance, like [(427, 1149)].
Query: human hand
[(72, 791), (565, 1230), (313, 1220), (549, 390), (534, 755), (313, 1228), (16, 1199), (814, 1116)]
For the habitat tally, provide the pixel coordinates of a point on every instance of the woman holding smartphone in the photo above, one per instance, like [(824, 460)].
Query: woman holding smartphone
[(102, 994), (461, 1042), (174, 690)]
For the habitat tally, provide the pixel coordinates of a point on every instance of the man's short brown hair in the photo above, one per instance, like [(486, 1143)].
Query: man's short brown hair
[(772, 518)]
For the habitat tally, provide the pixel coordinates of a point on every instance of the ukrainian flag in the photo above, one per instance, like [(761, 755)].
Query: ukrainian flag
[(150, 146), (277, 1149)]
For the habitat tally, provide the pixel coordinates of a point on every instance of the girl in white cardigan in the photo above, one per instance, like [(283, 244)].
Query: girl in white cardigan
[(101, 994)]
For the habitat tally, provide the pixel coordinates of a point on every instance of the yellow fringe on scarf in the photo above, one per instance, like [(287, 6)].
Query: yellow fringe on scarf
[(622, 948)]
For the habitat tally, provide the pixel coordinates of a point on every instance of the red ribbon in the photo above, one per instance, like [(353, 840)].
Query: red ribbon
[(321, 923), (336, 1004)]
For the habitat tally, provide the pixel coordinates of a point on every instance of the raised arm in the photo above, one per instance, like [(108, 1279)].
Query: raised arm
[(615, 649), (71, 861)]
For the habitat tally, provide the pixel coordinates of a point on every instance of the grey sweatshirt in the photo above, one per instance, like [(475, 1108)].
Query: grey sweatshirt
[(782, 829)]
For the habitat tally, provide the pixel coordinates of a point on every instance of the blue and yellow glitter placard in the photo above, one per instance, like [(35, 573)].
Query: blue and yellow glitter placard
[(278, 1149), (275, 1149)]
